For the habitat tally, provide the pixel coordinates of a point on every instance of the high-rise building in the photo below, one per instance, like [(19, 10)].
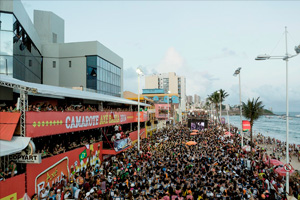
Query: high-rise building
[(169, 82), (196, 101), (36, 52)]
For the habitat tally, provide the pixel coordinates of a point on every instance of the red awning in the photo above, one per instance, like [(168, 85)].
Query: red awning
[(8, 124)]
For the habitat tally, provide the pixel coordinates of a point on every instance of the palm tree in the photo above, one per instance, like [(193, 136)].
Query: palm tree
[(215, 99), (252, 111)]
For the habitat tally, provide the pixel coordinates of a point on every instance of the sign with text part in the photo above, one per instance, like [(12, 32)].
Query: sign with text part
[(28, 159), (51, 123)]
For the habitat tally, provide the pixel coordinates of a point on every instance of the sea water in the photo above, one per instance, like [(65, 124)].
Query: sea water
[(274, 126)]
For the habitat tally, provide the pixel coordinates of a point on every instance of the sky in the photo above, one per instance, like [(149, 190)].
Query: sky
[(205, 41)]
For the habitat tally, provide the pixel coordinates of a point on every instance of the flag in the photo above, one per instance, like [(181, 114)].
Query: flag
[(92, 147), (83, 155)]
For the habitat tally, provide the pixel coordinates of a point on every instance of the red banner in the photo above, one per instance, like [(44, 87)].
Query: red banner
[(13, 188), (50, 123), (52, 169), (246, 126)]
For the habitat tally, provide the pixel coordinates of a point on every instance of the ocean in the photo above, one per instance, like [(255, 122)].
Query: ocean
[(274, 126)]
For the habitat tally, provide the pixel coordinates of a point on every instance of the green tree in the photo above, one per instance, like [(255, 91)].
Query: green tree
[(252, 110), (215, 98)]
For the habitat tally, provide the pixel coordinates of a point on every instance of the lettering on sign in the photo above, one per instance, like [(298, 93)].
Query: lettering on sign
[(34, 158), (81, 121), (53, 174)]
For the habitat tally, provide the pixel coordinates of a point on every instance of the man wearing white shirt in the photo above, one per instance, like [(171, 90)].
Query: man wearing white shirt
[(118, 136)]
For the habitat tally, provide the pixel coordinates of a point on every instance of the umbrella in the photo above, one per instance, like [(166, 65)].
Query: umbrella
[(274, 162), (247, 148), (281, 171), (228, 134), (194, 133), (191, 143)]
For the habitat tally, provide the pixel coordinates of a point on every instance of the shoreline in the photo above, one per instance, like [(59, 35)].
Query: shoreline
[(272, 148)]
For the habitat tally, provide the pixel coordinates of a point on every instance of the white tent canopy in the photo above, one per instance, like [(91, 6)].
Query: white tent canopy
[(66, 92), (17, 144)]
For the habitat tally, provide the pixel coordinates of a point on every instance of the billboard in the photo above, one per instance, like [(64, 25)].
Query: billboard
[(246, 126), (52, 169), (13, 188), (197, 124), (51, 123)]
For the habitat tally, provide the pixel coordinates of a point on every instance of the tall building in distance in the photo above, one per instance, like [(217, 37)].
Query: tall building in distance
[(36, 52), (169, 82), (196, 101)]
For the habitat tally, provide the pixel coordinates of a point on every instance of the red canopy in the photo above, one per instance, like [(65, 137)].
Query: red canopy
[(228, 134), (281, 171), (9, 122), (273, 162)]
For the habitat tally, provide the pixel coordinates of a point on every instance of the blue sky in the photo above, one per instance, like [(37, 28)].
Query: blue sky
[(205, 41)]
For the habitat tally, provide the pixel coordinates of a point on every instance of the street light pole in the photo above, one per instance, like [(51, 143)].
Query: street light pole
[(238, 72), (286, 59), (220, 105), (139, 72), (168, 108), (287, 112)]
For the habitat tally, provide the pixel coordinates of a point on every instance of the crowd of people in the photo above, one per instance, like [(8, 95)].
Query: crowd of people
[(44, 107), (278, 147), (165, 168)]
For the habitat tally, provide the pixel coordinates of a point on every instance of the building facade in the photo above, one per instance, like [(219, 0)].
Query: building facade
[(168, 83), (37, 52)]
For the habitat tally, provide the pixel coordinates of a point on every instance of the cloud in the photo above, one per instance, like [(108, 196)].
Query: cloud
[(197, 81), (172, 62)]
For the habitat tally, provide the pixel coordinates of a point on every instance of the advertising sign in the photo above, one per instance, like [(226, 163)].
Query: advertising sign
[(223, 120), (122, 144), (52, 169), (52, 175), (246, 126), (13, 188), (51, 123), (34, 158)]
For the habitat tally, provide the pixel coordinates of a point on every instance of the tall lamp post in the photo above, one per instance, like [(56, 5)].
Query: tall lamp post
[(219, 92), (168, 107), (139, 73), (286, 58), (238, 72)]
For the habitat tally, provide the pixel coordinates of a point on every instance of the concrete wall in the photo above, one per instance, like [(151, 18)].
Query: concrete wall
[(151, 82), (47, 23), (76, 53), (173, 83), (50, 74)]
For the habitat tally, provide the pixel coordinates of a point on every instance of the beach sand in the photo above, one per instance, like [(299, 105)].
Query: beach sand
[(294, 160)]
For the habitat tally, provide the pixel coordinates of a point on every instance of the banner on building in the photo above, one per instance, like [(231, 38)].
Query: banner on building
[(54, 169), (122, 144), (246, 126), (51, 123)]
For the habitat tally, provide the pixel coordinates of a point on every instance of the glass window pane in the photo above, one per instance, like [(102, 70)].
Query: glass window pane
[(6, 21), (6, 65), (6, 43)]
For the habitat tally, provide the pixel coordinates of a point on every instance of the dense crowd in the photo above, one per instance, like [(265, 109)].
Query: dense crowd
[(44, 107), (166, 168)]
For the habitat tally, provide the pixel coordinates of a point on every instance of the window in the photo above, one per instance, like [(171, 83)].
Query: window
[(54, 64), (30, 63), (54, 37), (70, 63)]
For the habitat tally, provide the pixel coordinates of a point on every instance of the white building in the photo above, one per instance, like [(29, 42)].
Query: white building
[(169, 82), (36, 52), (196, 101)]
